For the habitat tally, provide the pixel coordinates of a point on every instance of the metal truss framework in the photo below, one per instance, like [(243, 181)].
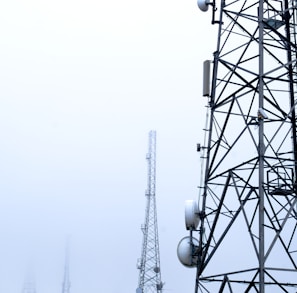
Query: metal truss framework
[(66, 279), (247, 233), (29, 284), (149, 264)]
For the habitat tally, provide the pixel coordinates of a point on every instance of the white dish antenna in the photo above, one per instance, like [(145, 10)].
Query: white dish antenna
[(203, 5), (185, 251), (191, 214)]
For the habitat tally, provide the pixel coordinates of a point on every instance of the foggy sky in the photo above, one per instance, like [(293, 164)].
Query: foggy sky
[(82, 83)]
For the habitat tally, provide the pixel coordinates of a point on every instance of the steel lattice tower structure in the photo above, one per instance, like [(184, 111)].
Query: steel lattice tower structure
[(29, 287), (149, 264), (247, 238), (29, 284), (66, 281)]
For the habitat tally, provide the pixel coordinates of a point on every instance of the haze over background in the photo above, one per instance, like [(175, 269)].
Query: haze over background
[(81, 85)]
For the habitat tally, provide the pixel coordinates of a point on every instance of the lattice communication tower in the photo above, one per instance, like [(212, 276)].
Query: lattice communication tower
[(149, 263), (243, 226), (29, 284), (66, 280)]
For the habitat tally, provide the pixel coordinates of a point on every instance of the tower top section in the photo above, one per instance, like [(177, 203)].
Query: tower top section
[(151, 164)]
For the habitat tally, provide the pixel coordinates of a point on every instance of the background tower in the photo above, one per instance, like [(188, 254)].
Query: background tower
[(29, 284), (246, 240), (149, 264), (66, 280)]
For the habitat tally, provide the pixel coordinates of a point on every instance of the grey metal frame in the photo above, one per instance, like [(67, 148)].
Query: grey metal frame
[(247, 233), (149, 264)]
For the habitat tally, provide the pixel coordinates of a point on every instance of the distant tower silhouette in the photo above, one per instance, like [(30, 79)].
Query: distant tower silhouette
[(29, 284), (246, 240), (66, 280), (149, 264)]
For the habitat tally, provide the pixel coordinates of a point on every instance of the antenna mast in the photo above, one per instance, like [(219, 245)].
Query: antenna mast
[(29, 284), (247, 236), (149, 264), (66, 280)]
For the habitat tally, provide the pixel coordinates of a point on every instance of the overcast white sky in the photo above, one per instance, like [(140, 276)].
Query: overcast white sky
[(81, 83)]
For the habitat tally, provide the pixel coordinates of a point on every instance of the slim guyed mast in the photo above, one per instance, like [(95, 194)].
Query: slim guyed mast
[(29, 284), (66, 280), (246, 238), (149, 264)]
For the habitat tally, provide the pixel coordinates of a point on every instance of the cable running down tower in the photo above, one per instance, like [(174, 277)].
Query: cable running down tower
[(149, 264)]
